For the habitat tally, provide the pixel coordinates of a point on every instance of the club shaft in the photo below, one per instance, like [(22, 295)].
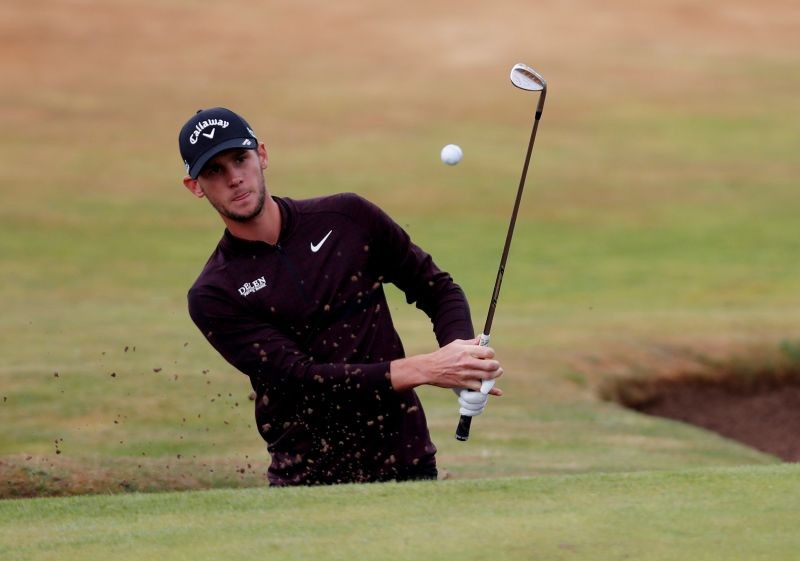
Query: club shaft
[(462, 431), (512, 224)]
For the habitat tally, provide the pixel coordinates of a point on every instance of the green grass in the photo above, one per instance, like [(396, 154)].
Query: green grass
[(734, 513)]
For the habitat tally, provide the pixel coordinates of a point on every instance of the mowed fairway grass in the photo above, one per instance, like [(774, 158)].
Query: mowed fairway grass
[(659, 228), (711, 514)]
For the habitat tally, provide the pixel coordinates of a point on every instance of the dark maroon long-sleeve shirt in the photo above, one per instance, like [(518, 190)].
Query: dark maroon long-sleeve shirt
[(307, 321)]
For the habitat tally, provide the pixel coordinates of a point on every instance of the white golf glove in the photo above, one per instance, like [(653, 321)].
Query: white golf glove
[(472, 403)]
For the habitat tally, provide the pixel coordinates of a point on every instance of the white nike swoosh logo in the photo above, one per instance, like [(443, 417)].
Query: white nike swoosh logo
[(210, 134), (315, 248)]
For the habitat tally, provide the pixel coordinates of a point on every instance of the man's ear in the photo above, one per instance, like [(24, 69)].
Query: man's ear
[(263, 158), (193, 186)]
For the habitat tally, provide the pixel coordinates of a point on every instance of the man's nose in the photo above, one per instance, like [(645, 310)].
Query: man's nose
[(235, 177)]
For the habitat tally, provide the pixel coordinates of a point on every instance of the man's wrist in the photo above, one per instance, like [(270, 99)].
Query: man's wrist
[(407, 373)]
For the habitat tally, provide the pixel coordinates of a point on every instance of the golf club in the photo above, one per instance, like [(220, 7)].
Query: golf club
[(525, 78)]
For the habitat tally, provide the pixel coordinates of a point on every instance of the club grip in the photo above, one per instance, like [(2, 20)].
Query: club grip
[(462, 430)]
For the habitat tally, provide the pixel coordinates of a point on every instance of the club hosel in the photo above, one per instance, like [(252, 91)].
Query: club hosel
[(540, 105)]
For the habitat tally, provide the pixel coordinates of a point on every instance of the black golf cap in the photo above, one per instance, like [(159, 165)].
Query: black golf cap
[(209, 132)]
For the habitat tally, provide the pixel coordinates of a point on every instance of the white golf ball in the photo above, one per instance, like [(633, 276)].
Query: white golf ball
[(452, 154)]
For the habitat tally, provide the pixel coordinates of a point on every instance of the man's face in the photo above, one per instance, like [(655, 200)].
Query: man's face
[(233, 182)]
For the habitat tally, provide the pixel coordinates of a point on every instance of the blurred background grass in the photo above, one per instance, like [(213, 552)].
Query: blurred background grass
[(660, 211)]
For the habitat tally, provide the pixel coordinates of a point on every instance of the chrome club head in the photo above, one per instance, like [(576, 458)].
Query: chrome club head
[(526, 78)]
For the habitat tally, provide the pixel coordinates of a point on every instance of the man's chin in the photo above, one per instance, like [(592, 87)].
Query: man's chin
[(245, 217)]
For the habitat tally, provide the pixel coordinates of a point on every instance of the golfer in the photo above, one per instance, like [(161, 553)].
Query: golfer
[(293, 297)]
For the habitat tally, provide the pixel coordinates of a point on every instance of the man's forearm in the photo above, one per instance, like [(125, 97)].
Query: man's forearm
[(460, 364)]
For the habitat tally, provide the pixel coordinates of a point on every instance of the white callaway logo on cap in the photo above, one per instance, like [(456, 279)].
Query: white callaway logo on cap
[(198, 128)]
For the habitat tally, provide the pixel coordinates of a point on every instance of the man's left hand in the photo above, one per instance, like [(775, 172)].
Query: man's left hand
[(472, 403)]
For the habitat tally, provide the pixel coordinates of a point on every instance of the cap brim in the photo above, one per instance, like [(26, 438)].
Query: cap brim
[(243, 143)]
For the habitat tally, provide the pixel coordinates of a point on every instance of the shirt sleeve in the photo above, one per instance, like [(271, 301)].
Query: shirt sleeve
[(274, 362), (413, 271)]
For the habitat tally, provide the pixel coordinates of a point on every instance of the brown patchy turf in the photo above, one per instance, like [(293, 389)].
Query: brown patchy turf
[(23, 476)]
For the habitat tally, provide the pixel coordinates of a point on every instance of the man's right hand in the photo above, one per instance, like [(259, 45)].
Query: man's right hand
[(460, 364)]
